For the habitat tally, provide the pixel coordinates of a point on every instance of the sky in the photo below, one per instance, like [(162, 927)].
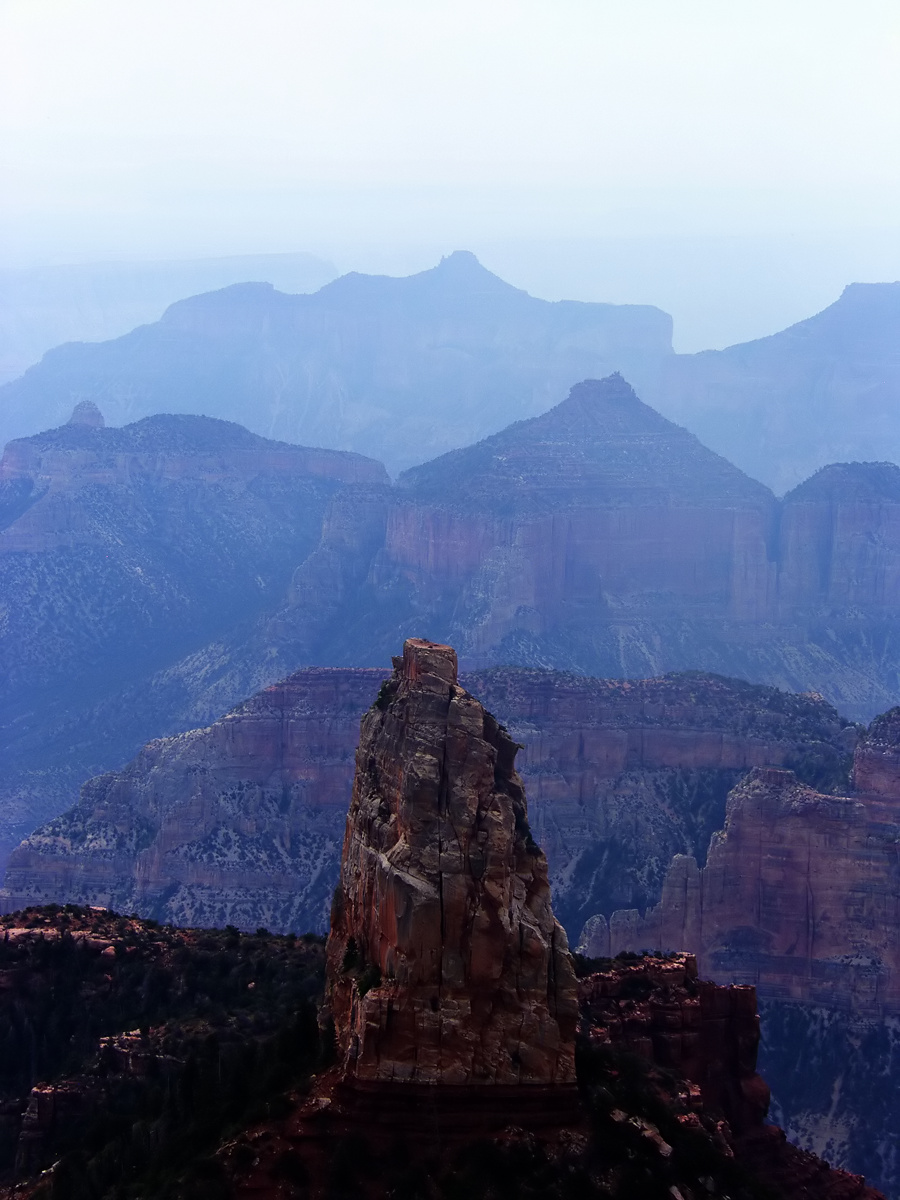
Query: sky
[(604, 137)]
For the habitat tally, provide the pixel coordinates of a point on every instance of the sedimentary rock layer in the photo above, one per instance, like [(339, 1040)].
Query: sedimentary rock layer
[(242, 822), (800, 894), (600, 537)]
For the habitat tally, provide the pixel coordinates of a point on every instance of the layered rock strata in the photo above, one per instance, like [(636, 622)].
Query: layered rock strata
[(602, 538), (667, 1076), (445, 964), (800, 894), (238, 823), (242, 822), (175, 566), (121, 552)]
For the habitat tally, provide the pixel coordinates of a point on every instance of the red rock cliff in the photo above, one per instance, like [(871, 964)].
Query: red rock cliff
[(800, 893)]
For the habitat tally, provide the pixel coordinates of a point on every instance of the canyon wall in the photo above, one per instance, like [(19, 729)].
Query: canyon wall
[(599, 537), (156, 575), (241, 822), (122, 551), (800, 896)]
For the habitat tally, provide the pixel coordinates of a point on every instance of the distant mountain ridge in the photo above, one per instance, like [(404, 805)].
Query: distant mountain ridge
[(43, 307), (401, 369), (826, 389), (148, 590), (406, 369)]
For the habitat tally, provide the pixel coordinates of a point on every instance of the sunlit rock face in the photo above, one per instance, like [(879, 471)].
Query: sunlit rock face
[(445, 962)]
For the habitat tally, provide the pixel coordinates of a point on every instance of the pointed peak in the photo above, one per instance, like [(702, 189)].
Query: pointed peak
[(608, 402), (611, 389), (463, 272)]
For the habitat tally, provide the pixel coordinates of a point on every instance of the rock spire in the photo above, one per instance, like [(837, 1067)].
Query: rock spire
[(445, 962)]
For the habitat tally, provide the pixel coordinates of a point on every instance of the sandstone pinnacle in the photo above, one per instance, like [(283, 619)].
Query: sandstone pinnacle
[(445, 962)]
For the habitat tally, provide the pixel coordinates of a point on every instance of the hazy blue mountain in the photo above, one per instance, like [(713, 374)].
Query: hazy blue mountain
[(123, 550), (402, 369), (408, 368), (153, 576), (41, 307), (824, 390), (602, 538)]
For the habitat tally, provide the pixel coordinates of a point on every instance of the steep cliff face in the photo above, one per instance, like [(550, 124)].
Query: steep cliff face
[(840, 540), (239, 823), (242, 821), (601, 538), (180, 564), (570, 516), (444, 901), (569, 538), (800, 895)]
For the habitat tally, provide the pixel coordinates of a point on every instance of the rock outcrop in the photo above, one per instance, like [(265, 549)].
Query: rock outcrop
[(242, 822), (445, 964), (659, 1008), (87, 413), (800, 894), (706, 1034)]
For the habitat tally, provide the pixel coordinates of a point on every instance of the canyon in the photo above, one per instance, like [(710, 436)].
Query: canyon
[(241, 822), (799, 894), (599, 537), (121, 549), (449, 988), (454, 1001), (175, 566)]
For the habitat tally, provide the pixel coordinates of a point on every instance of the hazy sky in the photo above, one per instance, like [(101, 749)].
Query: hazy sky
[(151, 127)]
